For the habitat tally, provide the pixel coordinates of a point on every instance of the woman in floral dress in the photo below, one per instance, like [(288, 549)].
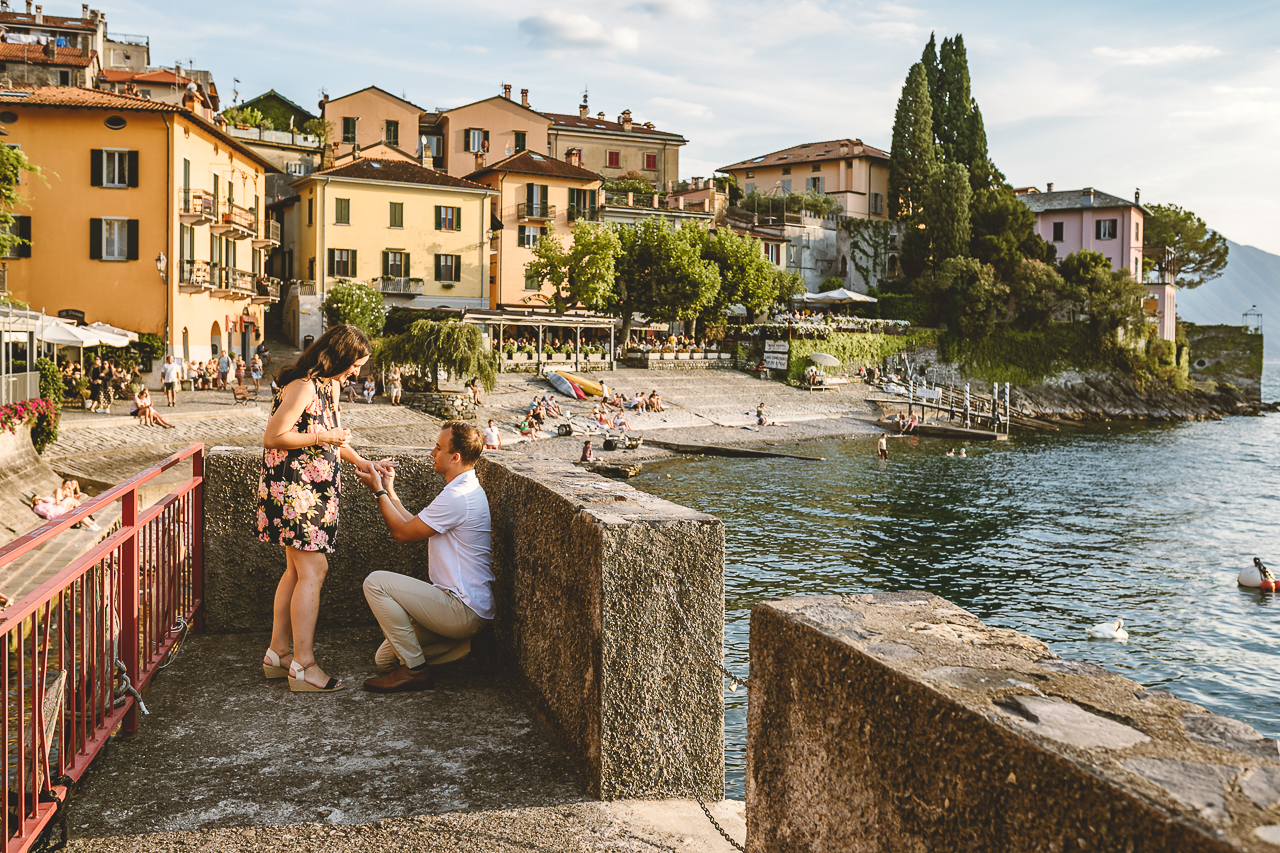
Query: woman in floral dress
[(298, 496)]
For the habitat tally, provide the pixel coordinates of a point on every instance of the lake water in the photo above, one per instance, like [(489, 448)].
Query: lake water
[(1047, 535)]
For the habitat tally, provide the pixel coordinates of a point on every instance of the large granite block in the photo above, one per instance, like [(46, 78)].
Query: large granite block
[(899, 722)]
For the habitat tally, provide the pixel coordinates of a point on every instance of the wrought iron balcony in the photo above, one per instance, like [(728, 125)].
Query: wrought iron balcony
[(193, 276), (393, 285), (585, 214), (524, 210), (270, 235), (268, 290), (197, 207), (236, 222)]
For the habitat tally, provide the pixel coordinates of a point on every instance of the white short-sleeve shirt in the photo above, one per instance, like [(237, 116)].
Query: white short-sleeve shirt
[(491, 435), (460, 554), (169, 372)]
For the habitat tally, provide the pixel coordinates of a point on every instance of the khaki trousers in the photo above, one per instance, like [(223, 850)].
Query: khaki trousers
[(422, 622)]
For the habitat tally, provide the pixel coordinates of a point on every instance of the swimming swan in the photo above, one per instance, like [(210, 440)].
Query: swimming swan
[(1109, 631), (1258, 576)]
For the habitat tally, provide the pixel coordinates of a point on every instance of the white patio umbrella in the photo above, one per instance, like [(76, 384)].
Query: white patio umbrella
[(838, 296), (825, 360), (59, 333), (107, 329)]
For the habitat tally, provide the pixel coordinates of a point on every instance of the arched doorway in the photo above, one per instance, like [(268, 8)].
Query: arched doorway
[(215, 338)]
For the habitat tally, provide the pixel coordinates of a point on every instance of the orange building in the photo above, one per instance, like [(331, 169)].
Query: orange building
[(145, 217)]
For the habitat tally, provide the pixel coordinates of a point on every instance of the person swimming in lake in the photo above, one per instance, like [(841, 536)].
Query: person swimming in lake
[(882, 447)]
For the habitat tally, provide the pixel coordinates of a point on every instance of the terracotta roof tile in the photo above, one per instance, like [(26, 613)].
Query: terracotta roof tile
[(590, 123), (810, 152), (162, 75), (531, 163), (20, 19), (34, 54), (395, 171), (73, 96)]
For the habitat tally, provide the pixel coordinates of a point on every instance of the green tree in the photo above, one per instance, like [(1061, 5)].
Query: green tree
[(12, 164), (1036, 292), (580, 273), (746, 276), (729, 184), (929, 61), (790, 285), (965, 294), (661, 273), (958, 126), (44, 431), (913, 154), (1004, 232), (357, 304), (1111, 299), (947, 213), (248, 116), (1200, 252), (629, 182), (431, 346)]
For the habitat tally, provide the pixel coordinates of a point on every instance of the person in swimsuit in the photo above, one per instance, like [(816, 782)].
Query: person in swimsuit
[(299, 492)]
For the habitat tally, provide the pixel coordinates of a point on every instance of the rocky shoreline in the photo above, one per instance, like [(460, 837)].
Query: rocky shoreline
[(1103, 399)]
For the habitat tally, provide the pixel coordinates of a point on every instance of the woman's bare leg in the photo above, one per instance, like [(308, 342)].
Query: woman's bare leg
[(282, 624), (310, 568)]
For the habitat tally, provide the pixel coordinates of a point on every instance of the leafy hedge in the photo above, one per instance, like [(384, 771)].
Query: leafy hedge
[(855, 349), (44, 431), (901, 306), (1028, 358)]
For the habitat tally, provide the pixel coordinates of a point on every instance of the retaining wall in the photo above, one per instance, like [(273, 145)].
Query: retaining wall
[(583, 618), (899, 722)]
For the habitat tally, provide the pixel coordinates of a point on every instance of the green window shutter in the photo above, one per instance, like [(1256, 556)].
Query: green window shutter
[(24, 234), (528, 193), (437, 267), (386, 263), (331, 261), (404, 265), (520, 235), (351, 271), (186, 174), (133, 168), (592, 194), (457, 219), (95, 167), (438, 217), (133, 240), (95, 239)]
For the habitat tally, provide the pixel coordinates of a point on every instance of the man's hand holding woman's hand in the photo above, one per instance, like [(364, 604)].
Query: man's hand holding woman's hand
[(378, 475)]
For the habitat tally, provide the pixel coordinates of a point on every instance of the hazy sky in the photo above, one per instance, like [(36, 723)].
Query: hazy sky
[(1181, 99)]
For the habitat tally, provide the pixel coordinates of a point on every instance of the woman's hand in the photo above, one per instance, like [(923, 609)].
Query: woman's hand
[(334, 437)]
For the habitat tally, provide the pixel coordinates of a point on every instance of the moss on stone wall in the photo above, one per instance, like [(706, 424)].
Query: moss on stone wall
[(1225, 354), (855, 349), (1026, 358)]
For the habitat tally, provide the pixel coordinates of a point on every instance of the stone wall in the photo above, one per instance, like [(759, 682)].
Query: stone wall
[(1226, 354), (446, 405), (899, 722), (582, 618), (679, 364)]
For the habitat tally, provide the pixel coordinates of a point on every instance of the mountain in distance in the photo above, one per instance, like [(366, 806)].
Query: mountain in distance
[(1251, 279)]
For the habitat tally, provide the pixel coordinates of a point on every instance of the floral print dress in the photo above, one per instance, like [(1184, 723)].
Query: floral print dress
[(299, 489)]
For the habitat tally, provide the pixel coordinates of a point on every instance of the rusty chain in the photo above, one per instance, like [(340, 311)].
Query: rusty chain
[(734, 680)]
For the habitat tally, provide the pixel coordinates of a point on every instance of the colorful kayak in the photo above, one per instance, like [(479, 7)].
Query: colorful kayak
[(590, 386), (564, 386)]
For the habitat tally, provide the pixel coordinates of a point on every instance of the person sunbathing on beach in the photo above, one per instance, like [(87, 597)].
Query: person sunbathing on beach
[(620, 422), (655, 402), (527, 430), (639, 403)]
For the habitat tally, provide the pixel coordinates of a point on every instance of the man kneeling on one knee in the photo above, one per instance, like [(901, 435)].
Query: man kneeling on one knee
[(424, 623)]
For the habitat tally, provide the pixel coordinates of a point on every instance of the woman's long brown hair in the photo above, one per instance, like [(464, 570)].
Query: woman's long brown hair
[(334, 352)]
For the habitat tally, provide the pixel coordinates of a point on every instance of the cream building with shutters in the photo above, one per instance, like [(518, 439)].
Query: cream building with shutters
[(417, 236)]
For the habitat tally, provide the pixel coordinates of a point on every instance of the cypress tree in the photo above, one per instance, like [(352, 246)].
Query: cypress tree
[(947, 219), (954, 102), (929, 59), (912, 157)]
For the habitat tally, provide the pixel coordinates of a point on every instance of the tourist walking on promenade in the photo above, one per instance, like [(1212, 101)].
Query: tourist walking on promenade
[(224, 367), (255, 373), (169, 374), (299, 492), (393, 386)]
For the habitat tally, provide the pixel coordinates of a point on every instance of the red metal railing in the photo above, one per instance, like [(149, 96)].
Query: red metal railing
[(76, 645)]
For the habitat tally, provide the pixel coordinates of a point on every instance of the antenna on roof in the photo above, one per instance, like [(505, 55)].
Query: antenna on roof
[(235, 93), (584, 96)]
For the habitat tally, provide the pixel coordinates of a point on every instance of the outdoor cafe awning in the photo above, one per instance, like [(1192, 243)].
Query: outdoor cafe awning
[(834, 297)]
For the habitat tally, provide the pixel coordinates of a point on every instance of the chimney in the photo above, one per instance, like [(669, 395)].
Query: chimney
[(479, 160), (1048, 187), (28, 7), (39, 14), (648, 125), (506, 91), (1137, 196), (582, 111), (625, 120), (600, 115), (84, 47), (697, 183), (524, 97), (324, 102), (573, 157), (1086, 196), (844, 149), (84, 11)]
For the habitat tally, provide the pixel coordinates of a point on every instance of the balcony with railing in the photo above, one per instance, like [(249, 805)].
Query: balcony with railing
[(197, 207), (270, 235), (268, 290), (232, 283), (524, 210), (398, 286), (583, 214), (194, 276), (237, 222)]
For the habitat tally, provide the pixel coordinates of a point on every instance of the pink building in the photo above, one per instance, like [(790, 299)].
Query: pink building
[(1089, 219)]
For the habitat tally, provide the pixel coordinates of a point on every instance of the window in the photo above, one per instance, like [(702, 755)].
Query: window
[(298, 169), (342, 263), (1137, 232), (751, 187), (1057, 232), (395, 264), (477, 139), (113, 239), (520, 141), (815, 185), (256, 262), (773, 252), (750, 174), (786, 170), (348, 129), (786, 186), (110, 167), (64, 79), (613, 159), (448, 218), (817, 167), (21, 247), (527, 235), (448, 267), (311, 269), (1104, 229), (651, 162), (342, 211), (393, 132), (397, 214), (877, 203), (115, 122), (531, 281), (311, 211)]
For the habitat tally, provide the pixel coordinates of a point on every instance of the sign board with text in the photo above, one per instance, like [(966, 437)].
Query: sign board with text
[(777, 346), (775, 360)]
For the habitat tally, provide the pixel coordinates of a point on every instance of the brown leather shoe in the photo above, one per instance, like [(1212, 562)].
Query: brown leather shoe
[(400, 680)]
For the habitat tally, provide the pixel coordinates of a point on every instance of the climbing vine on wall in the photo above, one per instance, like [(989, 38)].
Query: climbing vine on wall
[(869, 242)]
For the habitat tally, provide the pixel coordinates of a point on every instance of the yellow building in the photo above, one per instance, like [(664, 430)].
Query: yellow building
[(370, 116), (495, 128), (613, 148), (418, 236), (130, 185), (857, 175), (534, 193)]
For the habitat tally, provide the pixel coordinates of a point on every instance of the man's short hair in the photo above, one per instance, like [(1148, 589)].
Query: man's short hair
[(465, 440)]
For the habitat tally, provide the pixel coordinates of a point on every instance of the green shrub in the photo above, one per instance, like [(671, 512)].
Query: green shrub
[(357, 304), (44, 431), (901, 306), (855, 349)]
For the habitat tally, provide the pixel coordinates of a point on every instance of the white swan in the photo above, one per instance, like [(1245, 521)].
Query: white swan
[(1109, 631), (1257, 576)]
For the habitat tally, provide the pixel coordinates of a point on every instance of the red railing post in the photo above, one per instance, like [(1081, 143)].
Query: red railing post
[(197, 540), (129, 635)]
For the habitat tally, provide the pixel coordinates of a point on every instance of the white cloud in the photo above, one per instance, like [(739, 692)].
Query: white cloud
[(684, 109), (556, 31), (1157, 55)]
